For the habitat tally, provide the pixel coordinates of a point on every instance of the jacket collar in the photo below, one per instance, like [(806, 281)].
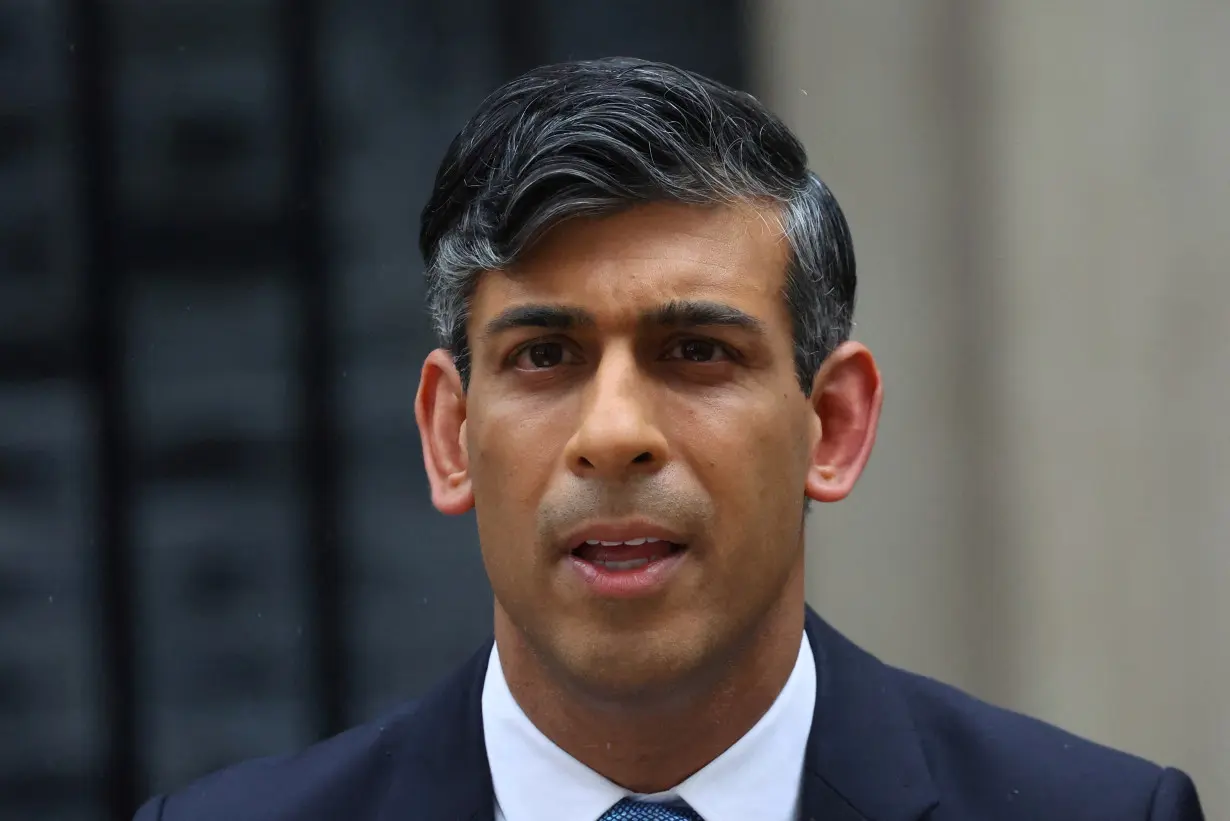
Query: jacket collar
[(437, 756), (864, 759)]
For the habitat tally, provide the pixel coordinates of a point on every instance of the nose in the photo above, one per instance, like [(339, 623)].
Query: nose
[(617, 435)]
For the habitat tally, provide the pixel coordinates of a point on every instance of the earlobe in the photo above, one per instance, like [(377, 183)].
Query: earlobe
[(846, 396), (440, 410)]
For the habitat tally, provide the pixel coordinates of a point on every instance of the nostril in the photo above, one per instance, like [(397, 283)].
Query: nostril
[(615, 462)]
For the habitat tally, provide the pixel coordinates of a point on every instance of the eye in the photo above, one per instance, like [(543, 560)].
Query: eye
[(539, 356), (698, 350)]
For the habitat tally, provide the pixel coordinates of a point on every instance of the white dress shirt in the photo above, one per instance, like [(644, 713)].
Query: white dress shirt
[(760, 776)]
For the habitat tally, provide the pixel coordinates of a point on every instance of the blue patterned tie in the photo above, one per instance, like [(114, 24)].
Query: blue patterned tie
[(632, 810)]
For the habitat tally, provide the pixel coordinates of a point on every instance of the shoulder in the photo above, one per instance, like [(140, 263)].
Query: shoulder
[(335, 778), (426, 756), (990, 762)]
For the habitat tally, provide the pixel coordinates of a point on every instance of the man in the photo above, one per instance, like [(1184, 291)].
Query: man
[(644, 301)]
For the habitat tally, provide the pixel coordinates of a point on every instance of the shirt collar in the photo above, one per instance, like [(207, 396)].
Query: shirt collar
[(759, 776)]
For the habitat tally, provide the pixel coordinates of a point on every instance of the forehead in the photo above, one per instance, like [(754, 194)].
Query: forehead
[(647, 255)]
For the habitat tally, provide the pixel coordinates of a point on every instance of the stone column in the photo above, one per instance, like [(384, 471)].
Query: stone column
[(1040, 200)]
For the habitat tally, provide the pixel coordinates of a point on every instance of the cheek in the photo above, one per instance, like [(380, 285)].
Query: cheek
[(513, 449), (745, 451)]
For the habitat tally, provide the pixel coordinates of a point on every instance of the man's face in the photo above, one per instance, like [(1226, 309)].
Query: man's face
[(633, 378)]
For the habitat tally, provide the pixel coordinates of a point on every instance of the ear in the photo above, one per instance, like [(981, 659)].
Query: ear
[(440, 410), (846, 398)]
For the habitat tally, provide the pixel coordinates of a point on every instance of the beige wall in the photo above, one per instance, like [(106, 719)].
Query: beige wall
[(1040, 199)]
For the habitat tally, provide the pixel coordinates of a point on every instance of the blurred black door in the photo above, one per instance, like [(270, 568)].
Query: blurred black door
[(215, 536)]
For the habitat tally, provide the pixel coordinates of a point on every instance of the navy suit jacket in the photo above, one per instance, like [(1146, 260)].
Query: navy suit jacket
[(885, 745)]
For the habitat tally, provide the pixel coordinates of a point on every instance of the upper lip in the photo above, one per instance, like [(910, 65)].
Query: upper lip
[(620, 532)]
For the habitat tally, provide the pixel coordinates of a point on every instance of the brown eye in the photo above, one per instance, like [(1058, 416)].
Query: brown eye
[(698, 350), (540, 355)]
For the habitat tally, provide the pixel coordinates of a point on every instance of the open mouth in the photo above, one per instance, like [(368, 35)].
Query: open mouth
[(628, 555)]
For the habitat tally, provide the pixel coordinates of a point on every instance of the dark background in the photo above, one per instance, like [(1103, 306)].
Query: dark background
[(216, 540)]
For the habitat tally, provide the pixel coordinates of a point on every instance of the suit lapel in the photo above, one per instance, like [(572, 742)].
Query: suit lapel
[(864, 759), (822, 803)]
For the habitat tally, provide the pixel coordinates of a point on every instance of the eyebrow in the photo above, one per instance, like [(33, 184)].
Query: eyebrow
[(559, 317), (678, 313), (688, 313)]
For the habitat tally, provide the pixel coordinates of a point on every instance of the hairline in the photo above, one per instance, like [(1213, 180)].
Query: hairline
[(459, 345)]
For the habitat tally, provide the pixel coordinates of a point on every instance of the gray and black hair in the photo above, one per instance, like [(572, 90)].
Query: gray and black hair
[(597, 136)]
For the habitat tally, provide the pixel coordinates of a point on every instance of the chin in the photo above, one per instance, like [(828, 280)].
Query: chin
[(645, 667)]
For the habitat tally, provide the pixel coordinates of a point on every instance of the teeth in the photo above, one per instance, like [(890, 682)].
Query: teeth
[(634, 542)]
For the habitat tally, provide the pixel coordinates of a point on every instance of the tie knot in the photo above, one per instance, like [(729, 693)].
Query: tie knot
[(630, 809)]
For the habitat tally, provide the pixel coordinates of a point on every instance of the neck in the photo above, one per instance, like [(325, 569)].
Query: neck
[(652, 746)]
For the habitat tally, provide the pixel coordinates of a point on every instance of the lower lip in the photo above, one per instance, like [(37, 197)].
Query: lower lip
[(626, 584)]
